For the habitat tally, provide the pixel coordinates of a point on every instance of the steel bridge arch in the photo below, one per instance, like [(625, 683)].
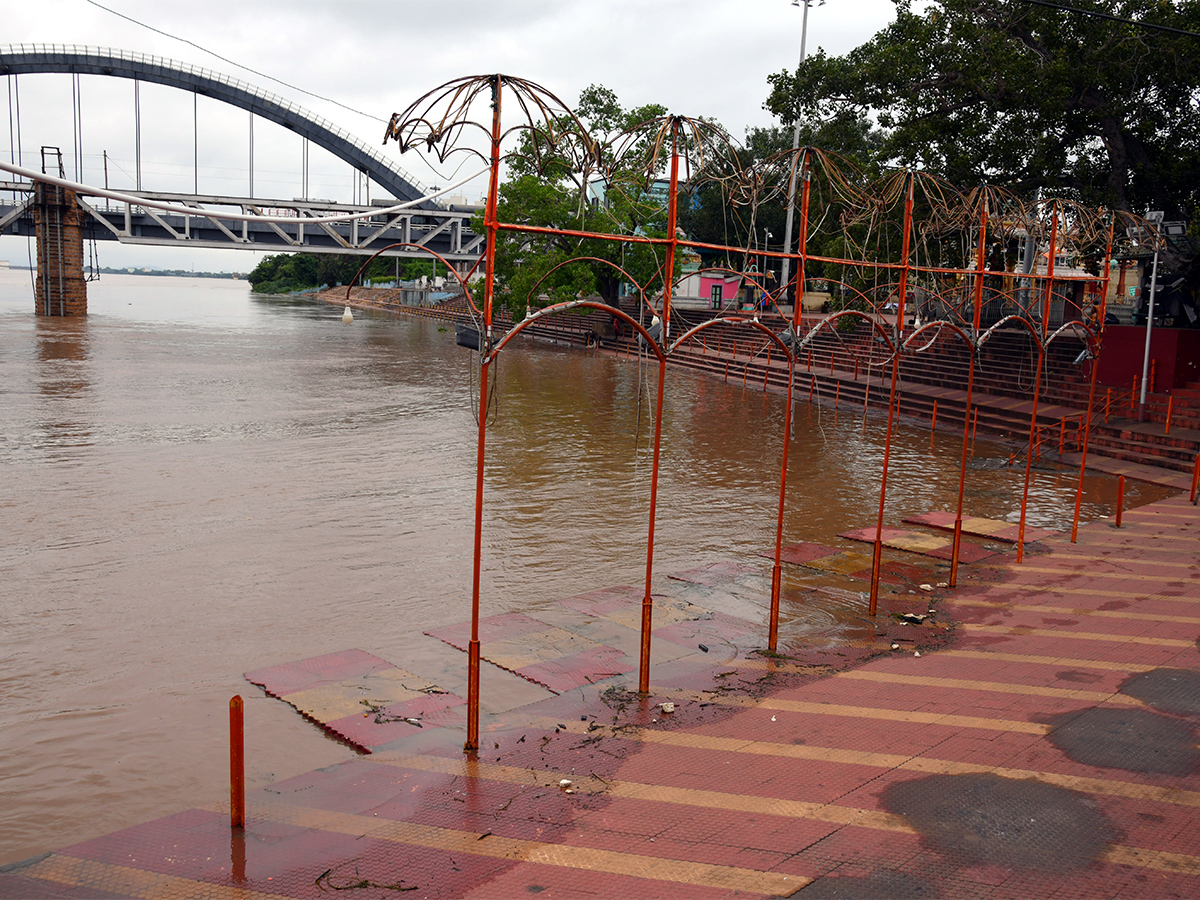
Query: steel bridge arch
[(38, 59)]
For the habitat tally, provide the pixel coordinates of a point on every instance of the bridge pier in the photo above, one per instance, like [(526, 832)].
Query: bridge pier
[(61, 289)]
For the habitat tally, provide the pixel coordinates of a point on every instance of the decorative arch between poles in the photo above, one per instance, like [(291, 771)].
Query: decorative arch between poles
[(887, 252)]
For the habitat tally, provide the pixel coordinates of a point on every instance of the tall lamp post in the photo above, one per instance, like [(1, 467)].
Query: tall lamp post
[(1155, 219), (785, 272)]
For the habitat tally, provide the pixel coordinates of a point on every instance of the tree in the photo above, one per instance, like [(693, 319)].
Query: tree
[(1010, 92), (547, 188), (284, 273), (709, 217)]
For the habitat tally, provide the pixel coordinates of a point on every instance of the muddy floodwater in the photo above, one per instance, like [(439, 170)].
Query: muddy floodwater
[(196, 482)]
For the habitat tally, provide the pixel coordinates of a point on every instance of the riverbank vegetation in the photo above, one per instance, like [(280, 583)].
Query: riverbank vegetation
[(286, 273)]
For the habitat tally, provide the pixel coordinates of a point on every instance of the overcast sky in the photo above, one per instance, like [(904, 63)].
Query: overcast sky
[(699, 57)]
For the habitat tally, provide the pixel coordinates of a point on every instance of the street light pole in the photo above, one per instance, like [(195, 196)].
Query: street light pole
[(785, 272), (1155, 218)]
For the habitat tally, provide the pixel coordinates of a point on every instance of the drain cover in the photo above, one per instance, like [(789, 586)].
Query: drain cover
[(1136, 740), (986, 819), (1171, 690), (882, 885)]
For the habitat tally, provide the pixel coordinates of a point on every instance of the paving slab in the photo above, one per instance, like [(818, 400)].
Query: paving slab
[(1042, 744), (918, 542), (995, 529), (364, 700)]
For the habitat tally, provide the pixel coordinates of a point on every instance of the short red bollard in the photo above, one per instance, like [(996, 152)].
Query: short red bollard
[(1170, 409), (237, 764), (1195, 477), (1120, 498)]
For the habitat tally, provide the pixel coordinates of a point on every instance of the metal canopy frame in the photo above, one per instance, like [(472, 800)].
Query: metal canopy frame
[(905, 236)]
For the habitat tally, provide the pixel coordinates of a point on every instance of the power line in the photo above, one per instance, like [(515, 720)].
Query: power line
[(1112, 18), (232, 63)]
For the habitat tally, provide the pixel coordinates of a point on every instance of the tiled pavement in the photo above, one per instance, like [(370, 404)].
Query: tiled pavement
[(1049, 752)]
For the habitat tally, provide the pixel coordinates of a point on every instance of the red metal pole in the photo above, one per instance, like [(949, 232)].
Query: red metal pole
[(471, 746), (1087, 425), (1120, 498), (1195, 477), (1037, 383), (668, 279), (980, 262), (877, 556), (777, 571), (237, 763), (1170, 409), (647, 601)]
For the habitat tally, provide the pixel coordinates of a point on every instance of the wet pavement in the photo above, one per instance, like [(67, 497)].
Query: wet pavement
[(1034, 737)]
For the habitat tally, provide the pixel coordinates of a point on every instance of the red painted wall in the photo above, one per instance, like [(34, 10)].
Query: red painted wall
[(1175, 350)]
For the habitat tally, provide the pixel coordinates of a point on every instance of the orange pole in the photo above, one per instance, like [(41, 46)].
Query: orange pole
[(866, 397), (1195, 477), (812, 383), (1120, 498), (668, 277), (1107, 404), (1062, 434), (1087, 426), (837, 394), (1037, 383), (777, 571), (933, 421), (1132, 394), (1170, 409), (647, 602), (727, 371), (962, 464), (471, 745), (237, 763), (856, 368), (877, 555)]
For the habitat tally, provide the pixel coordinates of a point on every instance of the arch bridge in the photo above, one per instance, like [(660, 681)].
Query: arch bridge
[(428, 224)]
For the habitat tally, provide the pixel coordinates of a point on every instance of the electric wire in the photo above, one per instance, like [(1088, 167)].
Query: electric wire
[(231, 62)]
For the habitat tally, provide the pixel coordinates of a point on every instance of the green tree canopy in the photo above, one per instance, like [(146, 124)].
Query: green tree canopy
[(1010, 92), (284, 273), (549, 189)]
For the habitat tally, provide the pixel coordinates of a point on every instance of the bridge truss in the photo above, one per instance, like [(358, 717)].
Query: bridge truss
[(296, 226)]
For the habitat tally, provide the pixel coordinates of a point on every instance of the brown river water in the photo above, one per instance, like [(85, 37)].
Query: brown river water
[(196, 482)]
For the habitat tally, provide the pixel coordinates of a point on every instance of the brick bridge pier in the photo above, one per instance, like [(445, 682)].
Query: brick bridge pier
[(61, 289)]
